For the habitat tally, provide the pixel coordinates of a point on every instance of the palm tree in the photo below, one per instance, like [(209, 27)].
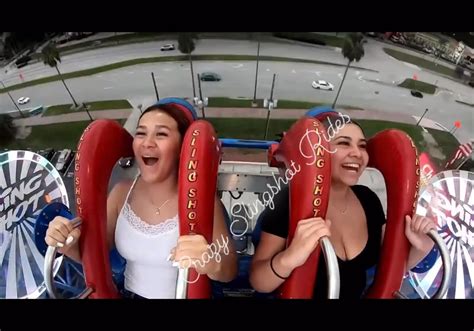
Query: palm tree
[(7, 130), (352, 49), (186, 46), (51, 57)]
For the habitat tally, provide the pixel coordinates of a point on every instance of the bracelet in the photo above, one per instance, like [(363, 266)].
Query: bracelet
[(427, 262), (271, 266)]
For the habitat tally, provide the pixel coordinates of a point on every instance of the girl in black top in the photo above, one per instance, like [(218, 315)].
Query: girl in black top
[(354, 223)]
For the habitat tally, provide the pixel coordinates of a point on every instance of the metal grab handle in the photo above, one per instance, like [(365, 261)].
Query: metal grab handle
[(447, 272), (49, 277), (182, 283), (447, 266), (334, 280)]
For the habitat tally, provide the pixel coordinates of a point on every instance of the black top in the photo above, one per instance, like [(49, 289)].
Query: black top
[(352, 272)]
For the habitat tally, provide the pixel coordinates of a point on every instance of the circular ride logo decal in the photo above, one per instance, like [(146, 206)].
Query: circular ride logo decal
[(449, 200), (28, 182)]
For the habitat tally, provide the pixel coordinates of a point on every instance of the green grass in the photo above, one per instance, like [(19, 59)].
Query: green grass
[(331, 40), (57, 136), (245, 128), (282, 104), (66, 135), (122, 64), (427, 64), (371, 127), (95, 105), (447, 143), (417, 85), (128, 38), (229, 102), (311, 37), (140, 37)]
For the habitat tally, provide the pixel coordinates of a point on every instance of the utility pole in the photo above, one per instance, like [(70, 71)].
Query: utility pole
[(200, 102), (422, 117), (87, 110), (156, 89), (271, 105), (201, 98), (256, 76)]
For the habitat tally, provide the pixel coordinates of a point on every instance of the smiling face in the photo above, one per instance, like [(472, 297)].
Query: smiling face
[(351, 157), (157, 145)]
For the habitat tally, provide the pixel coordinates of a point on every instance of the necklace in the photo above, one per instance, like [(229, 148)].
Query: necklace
[(157, 212), (345, 208)]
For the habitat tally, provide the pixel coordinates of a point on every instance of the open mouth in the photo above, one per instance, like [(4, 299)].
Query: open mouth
[(149, 160), (351, 166)]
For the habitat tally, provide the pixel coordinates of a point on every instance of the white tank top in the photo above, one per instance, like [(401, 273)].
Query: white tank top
[(146, 248)]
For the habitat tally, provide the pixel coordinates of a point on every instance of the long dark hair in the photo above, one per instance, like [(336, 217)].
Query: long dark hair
[(177, 114)]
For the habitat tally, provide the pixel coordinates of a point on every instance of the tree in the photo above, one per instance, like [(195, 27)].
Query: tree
[(8, 130), (186, 45), (352, 49), (51, 57)]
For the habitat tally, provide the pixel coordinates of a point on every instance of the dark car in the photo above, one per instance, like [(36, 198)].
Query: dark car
[(416, 94), (126, 162), (23, 61), (210, 77)]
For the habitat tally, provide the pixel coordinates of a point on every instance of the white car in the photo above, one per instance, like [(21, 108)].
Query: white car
[(23, 100), (322, 84), (168, 47)]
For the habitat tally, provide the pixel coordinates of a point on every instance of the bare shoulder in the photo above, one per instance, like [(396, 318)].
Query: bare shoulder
[(119, 192)]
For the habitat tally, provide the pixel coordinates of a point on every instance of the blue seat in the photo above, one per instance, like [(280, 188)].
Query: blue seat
[(117, 264)]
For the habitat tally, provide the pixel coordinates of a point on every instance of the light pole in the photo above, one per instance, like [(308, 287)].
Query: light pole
[(154, 84), (422, 117), (254, 103), (86, 108), (201, 102), (269, 104)]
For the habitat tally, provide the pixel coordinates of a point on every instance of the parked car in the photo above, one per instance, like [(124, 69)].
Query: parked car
[(69, 173), (210, 77), (416, 94), (168, 47), (22, 61), (322, 85), (23, 100), (65, 157)]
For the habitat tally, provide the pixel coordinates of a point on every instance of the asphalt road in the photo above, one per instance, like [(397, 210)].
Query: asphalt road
[(362, 88)]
